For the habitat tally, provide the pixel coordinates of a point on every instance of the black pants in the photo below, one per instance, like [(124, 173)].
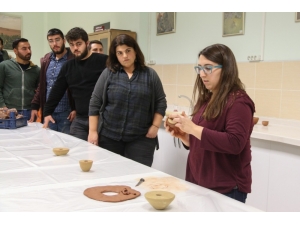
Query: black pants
[(140, 150), (80, 128)]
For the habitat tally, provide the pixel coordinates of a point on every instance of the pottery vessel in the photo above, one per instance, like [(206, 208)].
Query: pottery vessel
[(159, 199), (85, 165), (255, 120), (60, 151), (172, 126), (171, 123), (265, 123)]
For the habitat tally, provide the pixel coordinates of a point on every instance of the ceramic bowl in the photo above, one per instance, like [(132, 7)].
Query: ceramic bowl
[(159, 199), (60, 151), (265, 123), (85, 165), (255, 120)]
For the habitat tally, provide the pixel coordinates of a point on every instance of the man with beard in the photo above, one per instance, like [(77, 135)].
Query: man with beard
[(79, 75), (51, 65), (19, 78)]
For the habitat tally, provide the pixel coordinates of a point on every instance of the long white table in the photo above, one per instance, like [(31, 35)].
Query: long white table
[(33, 178)]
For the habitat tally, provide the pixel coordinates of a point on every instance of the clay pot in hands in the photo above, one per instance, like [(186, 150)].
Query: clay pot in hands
[(171, 123)]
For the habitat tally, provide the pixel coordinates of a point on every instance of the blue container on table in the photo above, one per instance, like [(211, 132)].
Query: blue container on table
[(12, 122), (25, 112)]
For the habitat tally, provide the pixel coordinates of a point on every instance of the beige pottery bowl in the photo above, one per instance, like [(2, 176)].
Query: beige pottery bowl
[(85, 165), (265, 123), (159, 199), (60, 151)]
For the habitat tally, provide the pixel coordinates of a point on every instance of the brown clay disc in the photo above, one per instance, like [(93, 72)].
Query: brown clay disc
[(123, 193)]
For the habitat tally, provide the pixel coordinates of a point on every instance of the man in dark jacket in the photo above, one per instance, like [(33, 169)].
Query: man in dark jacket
[(19, 78), (51, 64), (80, 76)]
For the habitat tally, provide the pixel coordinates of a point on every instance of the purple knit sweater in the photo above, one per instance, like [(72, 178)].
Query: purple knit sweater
[(221, 159)]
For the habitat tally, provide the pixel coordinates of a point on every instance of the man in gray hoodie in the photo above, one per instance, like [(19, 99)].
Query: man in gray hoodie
[(19, 78)]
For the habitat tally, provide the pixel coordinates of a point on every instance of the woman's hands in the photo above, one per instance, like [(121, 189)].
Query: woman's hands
[(152, 132), (187, 126), (184, 123), (93, 137)]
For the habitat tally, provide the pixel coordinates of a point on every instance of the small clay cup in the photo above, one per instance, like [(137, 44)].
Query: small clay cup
[(60, 151), (265, 123), (255, 120), (86, 165), (159, 199)]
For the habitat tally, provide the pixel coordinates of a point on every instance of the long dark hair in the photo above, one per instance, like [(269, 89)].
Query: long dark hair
[(113, 63), (229, 82)]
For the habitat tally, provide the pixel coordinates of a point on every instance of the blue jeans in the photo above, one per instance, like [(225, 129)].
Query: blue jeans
[(62, 124), (237, 195)]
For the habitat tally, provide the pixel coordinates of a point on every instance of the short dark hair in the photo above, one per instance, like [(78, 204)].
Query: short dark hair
[(55, 31), (77, 33), (1, 40), (17, 41), (94, 42), (113, 63)]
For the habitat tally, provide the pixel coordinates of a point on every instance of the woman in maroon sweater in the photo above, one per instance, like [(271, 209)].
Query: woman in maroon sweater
[(218, 135)]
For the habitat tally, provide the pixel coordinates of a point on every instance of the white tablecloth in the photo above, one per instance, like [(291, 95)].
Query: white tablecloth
[(33, 178)]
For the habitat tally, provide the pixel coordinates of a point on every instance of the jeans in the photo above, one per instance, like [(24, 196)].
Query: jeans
[(62, 124), (140, 150), (237, 195)]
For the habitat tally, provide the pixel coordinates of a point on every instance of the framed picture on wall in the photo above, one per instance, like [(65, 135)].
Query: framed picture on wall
[(10, 29), (297, 16), (165, 22), (233, 23)]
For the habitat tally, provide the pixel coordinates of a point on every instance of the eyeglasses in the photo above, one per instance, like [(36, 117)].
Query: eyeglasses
[(56, 40), (206, 69)]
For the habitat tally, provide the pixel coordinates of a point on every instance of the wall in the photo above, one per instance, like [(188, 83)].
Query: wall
[(194, 31), (275, 35), (271, 83), (34, 28), (118, 20), (273, 86), (278, 41)]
